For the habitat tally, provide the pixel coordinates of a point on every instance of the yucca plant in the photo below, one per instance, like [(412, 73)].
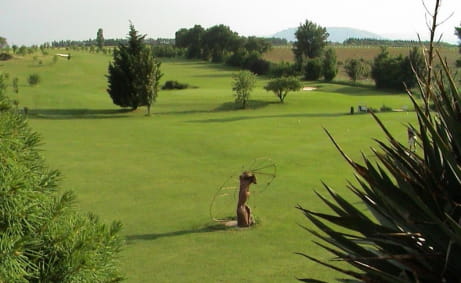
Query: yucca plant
[(414, 233)]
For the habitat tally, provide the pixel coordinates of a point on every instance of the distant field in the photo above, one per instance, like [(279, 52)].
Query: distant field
[(158, 174)]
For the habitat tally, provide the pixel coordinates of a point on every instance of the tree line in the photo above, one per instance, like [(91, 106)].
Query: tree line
[(219, 44), (388, 42)]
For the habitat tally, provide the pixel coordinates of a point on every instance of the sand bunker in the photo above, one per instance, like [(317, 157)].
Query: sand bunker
[(307, 88)]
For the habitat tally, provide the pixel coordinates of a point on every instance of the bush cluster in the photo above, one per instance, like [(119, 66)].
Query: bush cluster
[(5, 56), (167, 51), (396, 71), (33, 79), (174, 85)]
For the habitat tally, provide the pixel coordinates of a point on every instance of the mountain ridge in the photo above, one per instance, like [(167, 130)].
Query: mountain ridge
[(336, 34)]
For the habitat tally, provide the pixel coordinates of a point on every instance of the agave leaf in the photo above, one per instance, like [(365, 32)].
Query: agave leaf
[(347, 272), (349, 246), (348, 208), (336, 238), (360, 261), (447, 154), (330, 204)]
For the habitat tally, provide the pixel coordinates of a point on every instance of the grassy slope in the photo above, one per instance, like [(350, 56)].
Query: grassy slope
[(158, 174)]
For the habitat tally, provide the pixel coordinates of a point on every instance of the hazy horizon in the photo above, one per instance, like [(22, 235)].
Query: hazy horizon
[(27, 22)]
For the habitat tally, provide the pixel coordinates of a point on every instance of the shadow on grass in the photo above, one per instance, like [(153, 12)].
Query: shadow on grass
[(227, 106), (251, 105), (356, 89), (63, 114), (294, 115), (214, 75), (155, 236)]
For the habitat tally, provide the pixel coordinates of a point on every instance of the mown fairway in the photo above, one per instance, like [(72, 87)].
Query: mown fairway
[(158, 174)]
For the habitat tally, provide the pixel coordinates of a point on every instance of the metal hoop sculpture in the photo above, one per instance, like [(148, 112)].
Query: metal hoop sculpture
[(222, 206)]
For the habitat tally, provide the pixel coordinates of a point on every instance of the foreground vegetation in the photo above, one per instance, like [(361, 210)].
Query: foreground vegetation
[(414, 233), (42, 237), (157, 174)]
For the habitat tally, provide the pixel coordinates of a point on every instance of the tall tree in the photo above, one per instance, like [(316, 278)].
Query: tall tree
[(311, 39), (219, 40), (100, 39), (192, 40), (134, 74), (259, 45)]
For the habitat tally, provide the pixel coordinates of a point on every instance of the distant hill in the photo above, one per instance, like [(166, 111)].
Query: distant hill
[(337, 34)]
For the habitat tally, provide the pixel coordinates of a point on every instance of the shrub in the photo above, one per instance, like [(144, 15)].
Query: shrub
[(256, 64), (167, 51), (33, 79), (283, 69), (174, 85), (313, 69), (329, 67), (393, 71), (237, 59), (357, 69), (5, 56)]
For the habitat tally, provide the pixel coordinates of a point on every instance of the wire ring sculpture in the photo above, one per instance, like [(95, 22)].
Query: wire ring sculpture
[(223, 204)]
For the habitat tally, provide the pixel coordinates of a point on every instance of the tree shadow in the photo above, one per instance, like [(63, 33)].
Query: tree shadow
[(215, 75), (154, 236), (227, 106), (64, 114), (251, 105), (357, 89), (294, 115)]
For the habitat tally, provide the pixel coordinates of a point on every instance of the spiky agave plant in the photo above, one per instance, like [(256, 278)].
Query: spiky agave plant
[(415, 233)]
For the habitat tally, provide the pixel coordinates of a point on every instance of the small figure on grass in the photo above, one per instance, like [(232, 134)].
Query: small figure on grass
[(411, 139), (244, 217)]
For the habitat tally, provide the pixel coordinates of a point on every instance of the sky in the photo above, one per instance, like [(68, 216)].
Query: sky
[(27, 22)]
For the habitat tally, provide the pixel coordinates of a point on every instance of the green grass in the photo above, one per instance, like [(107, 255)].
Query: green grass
[(158, 174)]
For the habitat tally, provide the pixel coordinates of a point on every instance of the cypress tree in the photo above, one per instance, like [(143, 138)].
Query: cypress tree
[(134, 74)]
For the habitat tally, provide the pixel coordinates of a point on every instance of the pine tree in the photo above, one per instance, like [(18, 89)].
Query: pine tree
[(42, 237), (134, 74)]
